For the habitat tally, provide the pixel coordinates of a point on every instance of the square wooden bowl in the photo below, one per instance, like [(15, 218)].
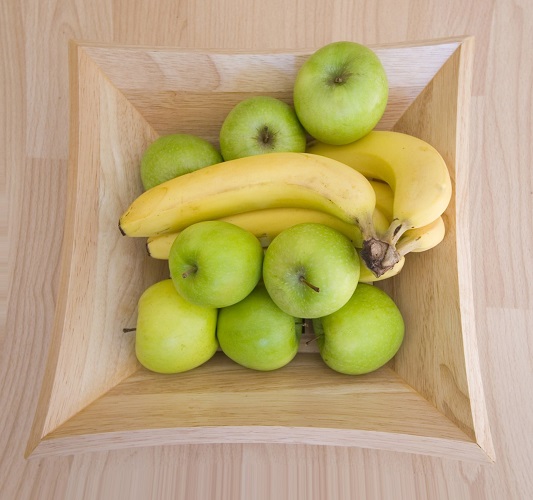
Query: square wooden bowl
[(96, 396)]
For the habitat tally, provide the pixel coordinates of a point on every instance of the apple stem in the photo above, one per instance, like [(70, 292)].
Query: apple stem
[(304, 324), (266, 135), (127, 330), (189, 271), (310, 285)]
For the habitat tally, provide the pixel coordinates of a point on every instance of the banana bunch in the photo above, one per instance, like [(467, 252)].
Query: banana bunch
[(385, 192)]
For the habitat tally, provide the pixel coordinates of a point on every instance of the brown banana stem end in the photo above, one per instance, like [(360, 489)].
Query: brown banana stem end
[(379, 256)]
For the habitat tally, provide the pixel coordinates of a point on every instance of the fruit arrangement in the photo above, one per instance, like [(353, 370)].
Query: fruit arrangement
[(291, 223)]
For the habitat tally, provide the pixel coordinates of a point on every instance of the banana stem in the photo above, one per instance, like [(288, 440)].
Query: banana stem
[(395, 232), (368, 231), (407, 245), (379, 256)]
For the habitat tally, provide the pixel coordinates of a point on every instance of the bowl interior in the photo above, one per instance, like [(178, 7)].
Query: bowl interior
[(95, 394)]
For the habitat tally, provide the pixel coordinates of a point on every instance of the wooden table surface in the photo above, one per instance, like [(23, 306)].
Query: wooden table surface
[(34, 143)]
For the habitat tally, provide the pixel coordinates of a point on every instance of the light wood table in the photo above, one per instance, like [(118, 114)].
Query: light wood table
[(34, 143)]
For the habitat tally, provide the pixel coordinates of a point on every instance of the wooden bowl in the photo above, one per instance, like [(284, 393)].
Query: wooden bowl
[(96, 396)]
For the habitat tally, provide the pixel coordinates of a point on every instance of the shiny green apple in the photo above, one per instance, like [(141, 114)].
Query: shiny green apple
[(173, 335), (260, 125), (310, 270), (215, 263), (257, 334), (173, 155), (341, 92), (363, 335)]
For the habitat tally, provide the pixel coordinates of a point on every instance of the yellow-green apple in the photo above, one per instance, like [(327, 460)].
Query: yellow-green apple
[(173, 335), (173, 155)]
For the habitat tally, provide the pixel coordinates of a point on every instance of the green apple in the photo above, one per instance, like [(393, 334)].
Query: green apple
[(260, 125), (310, 270), (340, 92), (173, 335), (257, 334), (362, 335), (174, 155), (215, 263)]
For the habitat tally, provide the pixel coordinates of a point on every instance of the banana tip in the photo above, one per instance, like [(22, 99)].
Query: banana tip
[(120, 229)]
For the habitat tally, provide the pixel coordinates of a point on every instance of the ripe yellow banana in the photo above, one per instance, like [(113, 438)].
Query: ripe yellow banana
[(264, 181), (266, 224), (414, 170), (384, 198), (422, 238)]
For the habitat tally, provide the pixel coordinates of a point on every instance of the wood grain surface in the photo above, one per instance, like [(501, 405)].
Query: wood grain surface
[(34, 145)]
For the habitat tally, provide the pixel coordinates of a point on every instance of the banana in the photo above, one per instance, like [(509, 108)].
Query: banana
[(158, 247), (297, 180), (423, 238), (415, 170), (266, 224), (384, 198)]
